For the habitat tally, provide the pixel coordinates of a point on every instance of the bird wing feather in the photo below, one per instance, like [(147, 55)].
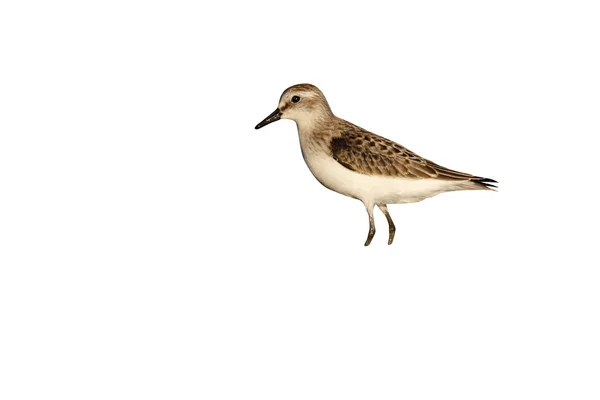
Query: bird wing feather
[(367, 153)]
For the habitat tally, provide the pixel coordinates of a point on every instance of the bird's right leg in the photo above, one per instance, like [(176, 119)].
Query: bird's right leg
[(369, 208), (385, 212)]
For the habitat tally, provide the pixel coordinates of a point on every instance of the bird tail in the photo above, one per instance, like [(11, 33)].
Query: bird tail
[(484, 183)]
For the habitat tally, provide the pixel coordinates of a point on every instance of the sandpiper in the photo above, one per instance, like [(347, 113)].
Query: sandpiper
[(357, 163)]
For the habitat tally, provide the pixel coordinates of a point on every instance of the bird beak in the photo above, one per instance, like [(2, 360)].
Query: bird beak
[(274, 116)]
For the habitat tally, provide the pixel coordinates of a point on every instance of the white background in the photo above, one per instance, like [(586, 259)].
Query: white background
[(153, 245)]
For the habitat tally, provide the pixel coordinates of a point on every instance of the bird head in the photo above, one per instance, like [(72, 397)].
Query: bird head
[(304, 103)]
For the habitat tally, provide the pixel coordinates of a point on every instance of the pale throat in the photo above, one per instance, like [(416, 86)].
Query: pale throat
[(309, 123)]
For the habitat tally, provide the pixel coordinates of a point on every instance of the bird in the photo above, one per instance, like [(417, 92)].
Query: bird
[(359, 164)]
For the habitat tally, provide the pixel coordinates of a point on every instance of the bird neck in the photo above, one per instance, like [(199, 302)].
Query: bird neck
[(315, 134), (314, 122)]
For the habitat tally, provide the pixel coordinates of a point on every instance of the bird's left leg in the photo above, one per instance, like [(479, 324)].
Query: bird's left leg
[(385, 212), (369, 208)]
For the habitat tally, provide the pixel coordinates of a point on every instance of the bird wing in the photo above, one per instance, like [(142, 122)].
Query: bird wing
[(366, 153)]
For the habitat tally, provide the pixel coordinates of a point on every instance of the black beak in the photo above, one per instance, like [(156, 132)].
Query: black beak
[(274, 116)]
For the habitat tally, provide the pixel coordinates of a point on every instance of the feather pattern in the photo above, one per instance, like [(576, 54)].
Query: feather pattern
[(367, 153)]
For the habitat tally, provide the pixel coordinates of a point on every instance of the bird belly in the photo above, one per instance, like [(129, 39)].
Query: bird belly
[(372, 189)]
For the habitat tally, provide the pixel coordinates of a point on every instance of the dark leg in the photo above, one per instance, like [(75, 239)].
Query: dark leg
[(369, 208), (385, 212)]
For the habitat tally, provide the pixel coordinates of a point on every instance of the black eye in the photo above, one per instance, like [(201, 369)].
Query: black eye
[(295, 99)]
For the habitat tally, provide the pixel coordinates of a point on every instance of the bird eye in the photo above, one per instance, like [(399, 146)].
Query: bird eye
[(295, 99)]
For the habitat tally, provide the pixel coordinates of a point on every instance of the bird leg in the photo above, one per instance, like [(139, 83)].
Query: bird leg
[(385, 212), (371, 224)]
